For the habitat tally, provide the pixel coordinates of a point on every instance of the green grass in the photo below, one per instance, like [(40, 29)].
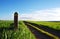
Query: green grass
[(52, 24), (21, 33)]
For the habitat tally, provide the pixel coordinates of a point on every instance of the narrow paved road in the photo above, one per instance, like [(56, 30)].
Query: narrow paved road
[(40, 35)]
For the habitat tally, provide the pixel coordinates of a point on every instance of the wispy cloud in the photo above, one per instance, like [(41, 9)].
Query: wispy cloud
[(42, 15), (52, 14)]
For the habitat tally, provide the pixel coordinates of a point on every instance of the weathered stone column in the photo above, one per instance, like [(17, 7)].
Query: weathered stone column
[(16, 20)]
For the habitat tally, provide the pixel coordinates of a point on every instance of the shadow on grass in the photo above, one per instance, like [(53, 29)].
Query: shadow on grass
[(9, 32), (3, 30), (11, 27)]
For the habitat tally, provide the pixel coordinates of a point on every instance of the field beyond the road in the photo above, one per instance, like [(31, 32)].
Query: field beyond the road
[(51, 24)]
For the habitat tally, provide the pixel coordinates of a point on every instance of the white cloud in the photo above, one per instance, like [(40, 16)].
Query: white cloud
[(52, 14), (42, 15)]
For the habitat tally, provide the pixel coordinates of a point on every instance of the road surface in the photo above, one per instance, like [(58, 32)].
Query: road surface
[(42, 32)]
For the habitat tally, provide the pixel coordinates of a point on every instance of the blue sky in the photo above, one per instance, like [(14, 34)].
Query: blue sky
[(28, 7)]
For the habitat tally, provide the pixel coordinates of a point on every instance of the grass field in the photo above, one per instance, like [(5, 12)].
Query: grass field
[(52, 24), (22, 32)]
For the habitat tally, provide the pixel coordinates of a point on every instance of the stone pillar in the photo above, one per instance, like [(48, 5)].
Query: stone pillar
[(16, 20)]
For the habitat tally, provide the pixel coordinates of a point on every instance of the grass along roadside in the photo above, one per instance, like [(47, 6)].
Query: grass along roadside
[(26, 31), (21, 33)]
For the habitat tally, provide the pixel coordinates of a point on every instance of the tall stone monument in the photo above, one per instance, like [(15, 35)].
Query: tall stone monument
[(16, 20)]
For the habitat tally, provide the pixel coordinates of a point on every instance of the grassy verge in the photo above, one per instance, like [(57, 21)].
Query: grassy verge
[(21, 33), (25, 31)]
